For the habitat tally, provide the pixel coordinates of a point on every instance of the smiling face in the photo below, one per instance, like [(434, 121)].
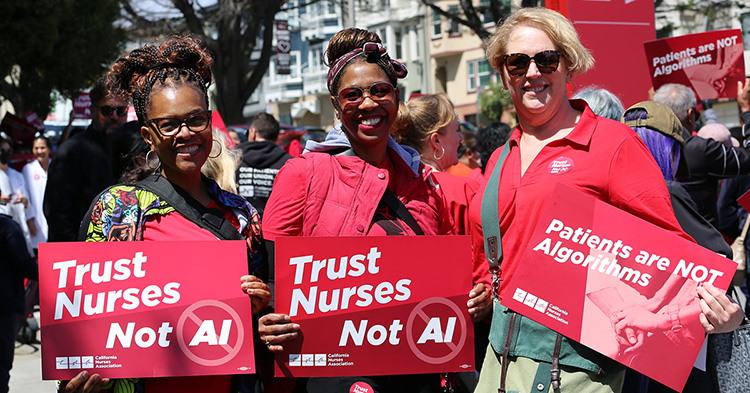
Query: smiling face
[(41, 150), (536, 96), (367, 123), (184, 152), (450, 139)]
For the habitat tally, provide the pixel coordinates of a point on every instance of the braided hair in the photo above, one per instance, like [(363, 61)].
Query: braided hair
[(179, 60)]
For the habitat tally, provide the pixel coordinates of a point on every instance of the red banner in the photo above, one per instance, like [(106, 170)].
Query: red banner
[(599, 276), (613, 31), (710, 63), (82, 106), (105, 307), (362, 302)]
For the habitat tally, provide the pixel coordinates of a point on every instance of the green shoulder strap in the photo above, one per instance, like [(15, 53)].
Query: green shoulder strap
[(493, 248)]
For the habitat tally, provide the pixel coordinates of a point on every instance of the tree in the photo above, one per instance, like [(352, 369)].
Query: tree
[(62, 45), (492, 102), (231, 31), (476, 16)]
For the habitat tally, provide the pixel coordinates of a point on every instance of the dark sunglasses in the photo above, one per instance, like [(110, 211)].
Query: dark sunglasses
[(354, 95), (169, 126), (518, 63), (109, 110)]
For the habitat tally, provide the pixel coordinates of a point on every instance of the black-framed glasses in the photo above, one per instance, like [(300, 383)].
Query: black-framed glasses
[(169, 126), (379, 91), (108, 110), (546, 62)]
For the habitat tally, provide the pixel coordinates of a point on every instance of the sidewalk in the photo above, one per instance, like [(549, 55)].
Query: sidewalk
[(26, 374)]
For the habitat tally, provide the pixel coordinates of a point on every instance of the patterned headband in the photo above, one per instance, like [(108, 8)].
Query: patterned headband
[(369, 48)]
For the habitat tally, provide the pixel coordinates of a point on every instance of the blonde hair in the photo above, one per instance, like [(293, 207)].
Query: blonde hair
[(558, 29), (421, 117), (223, 167)]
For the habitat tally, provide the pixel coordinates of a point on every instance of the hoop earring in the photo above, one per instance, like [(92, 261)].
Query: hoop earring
[(442, 153), (575, 87), (148, 161), (502, 95), (215, 143)]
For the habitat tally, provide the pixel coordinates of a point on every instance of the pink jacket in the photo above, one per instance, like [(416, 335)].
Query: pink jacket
[(341, 194)]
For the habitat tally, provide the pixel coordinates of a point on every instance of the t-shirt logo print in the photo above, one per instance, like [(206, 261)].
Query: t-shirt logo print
[(561, 165)]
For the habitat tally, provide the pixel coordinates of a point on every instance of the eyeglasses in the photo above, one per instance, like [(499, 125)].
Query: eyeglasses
[(546, 62), (169, 126), (354, 95), (109, 110)]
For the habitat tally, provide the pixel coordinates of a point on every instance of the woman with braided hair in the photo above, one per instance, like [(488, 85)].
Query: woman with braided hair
[(168, 84)]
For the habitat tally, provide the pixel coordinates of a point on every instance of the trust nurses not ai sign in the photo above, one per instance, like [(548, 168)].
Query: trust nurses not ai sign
[(375, 305), (144, 309)]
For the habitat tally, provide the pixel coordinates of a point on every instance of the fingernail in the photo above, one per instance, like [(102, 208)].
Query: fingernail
[(85, 374)]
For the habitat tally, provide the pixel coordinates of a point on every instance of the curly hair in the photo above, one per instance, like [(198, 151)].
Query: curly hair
[(347, 40), (179, 60)]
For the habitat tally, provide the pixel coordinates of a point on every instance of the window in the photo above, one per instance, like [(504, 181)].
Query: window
[(331, 7), (486, 12), (454, 28), (399, 45), (479, 73), (436, 22)]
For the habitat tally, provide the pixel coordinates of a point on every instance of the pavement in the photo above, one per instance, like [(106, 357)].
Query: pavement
[(26, 374)]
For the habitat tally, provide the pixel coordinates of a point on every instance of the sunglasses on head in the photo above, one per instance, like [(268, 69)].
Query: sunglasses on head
[(108, 110), (518, 63), (354, 95)]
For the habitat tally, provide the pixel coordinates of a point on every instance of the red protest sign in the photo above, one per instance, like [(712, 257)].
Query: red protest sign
[(710, 63), (362, 302), (82, 106), (107, 306), (599, 275), (744, 200)]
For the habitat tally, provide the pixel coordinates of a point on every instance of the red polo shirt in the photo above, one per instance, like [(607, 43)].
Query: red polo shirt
[(600, 157)]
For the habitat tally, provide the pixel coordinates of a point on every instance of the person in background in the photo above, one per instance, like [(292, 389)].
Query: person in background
[(537, 52), (234, 137), (709, 161), (261, 160), (83, 165), (719, 133), (16, 263), (429, 124), (168, 82), (221, 168), (14, 195), (488, 140), (468, 156), (601, 101), (661, 131), (362, 81), (35, 176)]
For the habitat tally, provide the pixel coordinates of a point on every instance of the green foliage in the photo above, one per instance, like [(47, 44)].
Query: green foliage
[(492, 103), (62, 45)]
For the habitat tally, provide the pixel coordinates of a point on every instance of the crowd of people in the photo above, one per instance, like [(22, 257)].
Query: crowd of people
[(388, 168)]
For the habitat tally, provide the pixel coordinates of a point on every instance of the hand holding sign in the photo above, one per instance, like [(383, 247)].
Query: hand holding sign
[(85, 383), (718, 313), (743, 95), (274, 329), (259, 292)]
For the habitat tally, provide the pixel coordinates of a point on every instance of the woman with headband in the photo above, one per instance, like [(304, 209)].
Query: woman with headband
[(362, 81), (168, 83)]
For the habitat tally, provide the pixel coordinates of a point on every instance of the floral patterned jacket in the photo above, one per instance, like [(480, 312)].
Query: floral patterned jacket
[(119, 214)]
